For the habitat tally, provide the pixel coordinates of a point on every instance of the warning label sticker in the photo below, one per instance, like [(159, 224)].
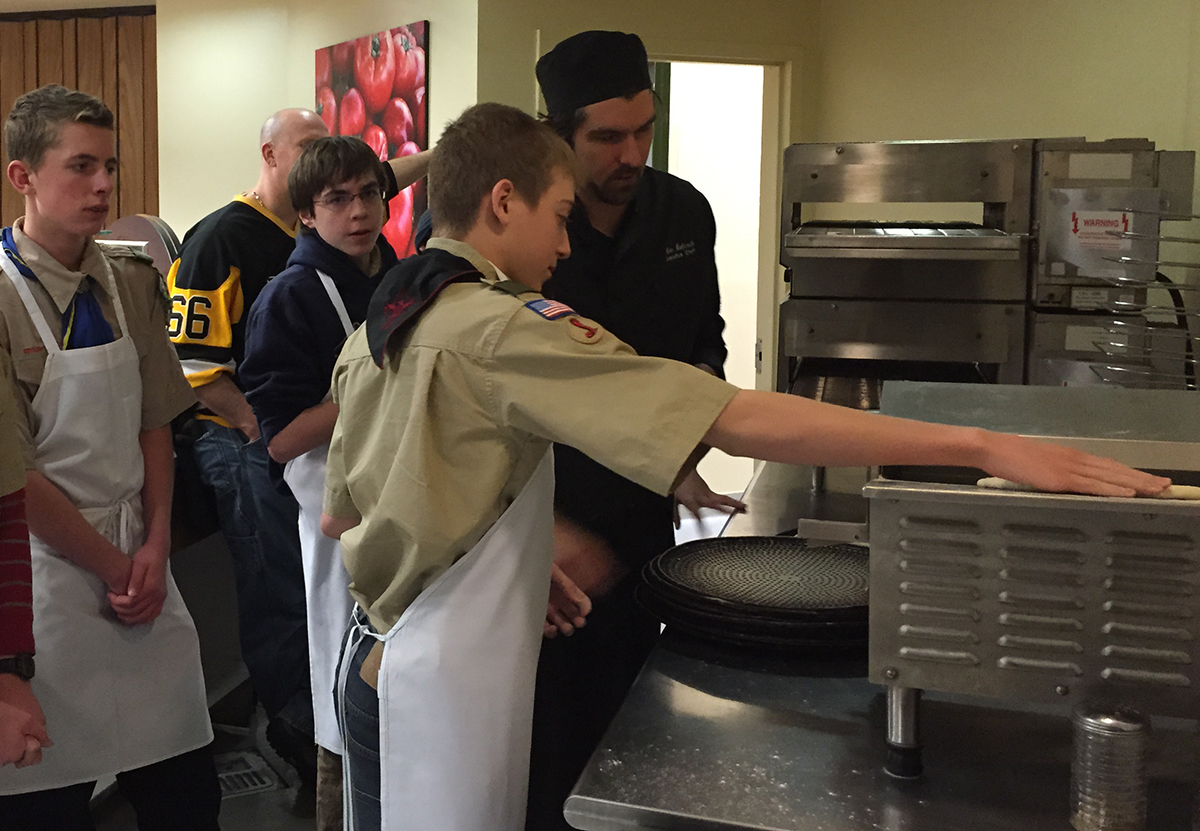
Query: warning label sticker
[(1096, 229)]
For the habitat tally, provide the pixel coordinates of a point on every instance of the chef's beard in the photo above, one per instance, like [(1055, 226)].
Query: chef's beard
[(617, 191)]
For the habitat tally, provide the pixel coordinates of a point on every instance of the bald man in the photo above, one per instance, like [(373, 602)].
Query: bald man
[(226, 260)]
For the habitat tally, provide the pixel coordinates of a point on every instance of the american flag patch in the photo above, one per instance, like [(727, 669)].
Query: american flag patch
[(550, 309)]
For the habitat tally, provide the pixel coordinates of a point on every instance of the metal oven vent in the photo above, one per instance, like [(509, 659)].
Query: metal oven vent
[(1037, 597)]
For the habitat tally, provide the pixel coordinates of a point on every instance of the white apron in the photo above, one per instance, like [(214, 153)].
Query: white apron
[(116, 697), (456, 682), (326, 583)]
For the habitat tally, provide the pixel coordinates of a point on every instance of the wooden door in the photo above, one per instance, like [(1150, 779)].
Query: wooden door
[(109, 53)]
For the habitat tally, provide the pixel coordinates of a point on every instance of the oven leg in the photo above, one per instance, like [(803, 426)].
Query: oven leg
[(903, 733)]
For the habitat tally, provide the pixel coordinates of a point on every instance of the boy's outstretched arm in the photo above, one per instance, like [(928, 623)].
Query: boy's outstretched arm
[(795, 430)]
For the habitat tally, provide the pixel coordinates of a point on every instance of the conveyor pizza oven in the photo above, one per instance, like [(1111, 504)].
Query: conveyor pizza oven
[(1060, 238), (915, 299)]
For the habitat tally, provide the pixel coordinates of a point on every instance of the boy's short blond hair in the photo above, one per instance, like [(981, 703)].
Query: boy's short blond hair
[(488, 143), (36, 119)]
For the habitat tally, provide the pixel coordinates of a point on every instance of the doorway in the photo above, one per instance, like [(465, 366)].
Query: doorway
[(715, 122)]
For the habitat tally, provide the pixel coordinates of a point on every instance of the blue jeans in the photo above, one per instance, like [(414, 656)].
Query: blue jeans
[(260, 525), (358, 709)]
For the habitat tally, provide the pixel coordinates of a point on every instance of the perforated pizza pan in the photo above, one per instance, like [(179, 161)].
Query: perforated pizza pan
[(841, 640), (780, 577), (729, 620)]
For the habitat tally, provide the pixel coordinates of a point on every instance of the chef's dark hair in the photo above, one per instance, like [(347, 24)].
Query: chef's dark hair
[(34, 123), (488, 143), (331, 161)]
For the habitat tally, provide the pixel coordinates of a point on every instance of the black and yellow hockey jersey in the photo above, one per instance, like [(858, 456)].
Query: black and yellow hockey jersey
[(226, 260)]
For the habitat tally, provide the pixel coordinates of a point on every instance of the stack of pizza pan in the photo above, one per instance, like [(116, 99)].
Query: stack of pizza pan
[(772, 594)]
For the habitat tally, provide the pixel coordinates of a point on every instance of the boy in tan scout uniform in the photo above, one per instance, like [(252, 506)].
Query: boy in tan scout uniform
[(96, 384), (440, 488)]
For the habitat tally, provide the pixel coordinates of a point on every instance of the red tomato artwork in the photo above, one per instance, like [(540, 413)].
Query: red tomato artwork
[(375, 137), (324, 68), (352, 117), (343, 63), (418, 109), (399, 227), (374, 69), (397, 122), (328, 110), (408, 65)]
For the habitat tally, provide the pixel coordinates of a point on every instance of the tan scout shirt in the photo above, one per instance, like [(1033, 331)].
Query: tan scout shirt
[(165, 392), (12, 462), (431, 449)]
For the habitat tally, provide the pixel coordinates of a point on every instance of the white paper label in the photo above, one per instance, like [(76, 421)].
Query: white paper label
[(1085, 338), (1089, 298)]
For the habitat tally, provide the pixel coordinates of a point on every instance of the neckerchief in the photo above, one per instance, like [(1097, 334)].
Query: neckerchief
[(83, 322), (407, 290)]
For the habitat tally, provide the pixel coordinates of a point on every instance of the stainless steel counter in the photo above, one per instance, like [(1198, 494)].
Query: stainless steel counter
[(699, 745), (707, 740)]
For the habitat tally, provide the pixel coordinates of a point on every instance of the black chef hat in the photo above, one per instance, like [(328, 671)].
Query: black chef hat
[(590, 67)]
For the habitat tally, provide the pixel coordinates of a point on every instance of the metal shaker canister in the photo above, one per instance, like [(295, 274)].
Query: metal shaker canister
[(1108, 769)]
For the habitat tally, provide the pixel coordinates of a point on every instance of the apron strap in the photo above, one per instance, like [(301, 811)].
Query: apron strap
[(111, 287), (31, 306), (35, 312), (336, 300)]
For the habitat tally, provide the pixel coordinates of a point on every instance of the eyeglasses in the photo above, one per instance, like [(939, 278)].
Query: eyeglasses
[(371, 197)]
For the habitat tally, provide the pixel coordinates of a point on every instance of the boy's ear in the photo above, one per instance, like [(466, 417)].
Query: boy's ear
[(307, 219), (502, 196), (19, 176)]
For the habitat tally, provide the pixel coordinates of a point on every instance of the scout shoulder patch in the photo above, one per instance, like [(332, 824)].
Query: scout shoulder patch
[(549, 309), (583, 330), (127, 252)]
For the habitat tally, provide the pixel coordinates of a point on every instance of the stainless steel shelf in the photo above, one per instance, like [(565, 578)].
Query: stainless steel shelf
[(699, 745)]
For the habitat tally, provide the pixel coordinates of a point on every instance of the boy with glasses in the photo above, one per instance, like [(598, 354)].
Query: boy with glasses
[(293, 335)]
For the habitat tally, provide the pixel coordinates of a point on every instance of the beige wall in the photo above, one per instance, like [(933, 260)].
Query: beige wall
[(225, 65)]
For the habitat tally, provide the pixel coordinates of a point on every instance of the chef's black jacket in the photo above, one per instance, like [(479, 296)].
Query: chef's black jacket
[(653, 285)]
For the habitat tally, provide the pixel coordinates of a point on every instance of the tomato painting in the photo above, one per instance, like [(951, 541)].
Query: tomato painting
[(418, 110), (324, 68), (399, 227), (410, 63), (374, 69), (343, 63), (374, 136), (352, 117), (376, 87), (328, 110), (397, 122)]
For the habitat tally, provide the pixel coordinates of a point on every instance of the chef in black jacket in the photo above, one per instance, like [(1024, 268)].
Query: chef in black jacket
[(642, 264)]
